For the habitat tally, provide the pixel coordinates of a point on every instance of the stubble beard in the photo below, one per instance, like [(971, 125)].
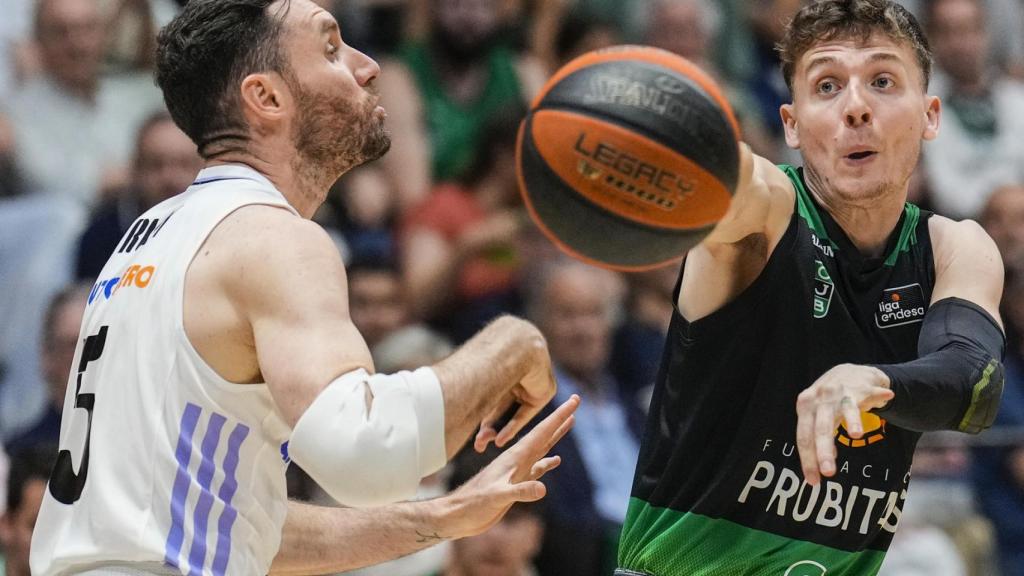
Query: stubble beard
[(332, 136)]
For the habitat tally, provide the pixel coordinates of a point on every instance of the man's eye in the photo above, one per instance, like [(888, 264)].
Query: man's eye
[(826, 87), (884, 82)]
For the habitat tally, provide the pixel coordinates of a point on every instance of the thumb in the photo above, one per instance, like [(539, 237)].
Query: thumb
[(529, 491), (877, 398)]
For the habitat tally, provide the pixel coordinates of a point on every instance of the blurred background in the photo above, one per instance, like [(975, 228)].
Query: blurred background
[(437, 243)]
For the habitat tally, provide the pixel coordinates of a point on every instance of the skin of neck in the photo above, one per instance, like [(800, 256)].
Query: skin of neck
[(303, 186), (867, 222)]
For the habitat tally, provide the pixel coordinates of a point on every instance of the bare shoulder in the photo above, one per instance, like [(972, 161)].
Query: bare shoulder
[(259, 250), (737, 250), (967, 263), (762, 204), (964, 239)]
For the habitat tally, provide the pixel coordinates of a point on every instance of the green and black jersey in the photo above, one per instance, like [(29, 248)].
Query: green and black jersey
[(718, 489)]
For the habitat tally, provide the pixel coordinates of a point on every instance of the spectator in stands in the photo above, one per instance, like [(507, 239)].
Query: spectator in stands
[(30, 469), (362, 208), (942, 532), (165, 164), (767, 19), (73, 128), (10, 178), (5, 468), (510, 546), (377, 301), (640, 339), (38, 234), (459, 247), (15, 30), (409, 348), (575, 306), (60, 336), (1003, 219), (998, 470), (685, 27), (979, 146), (576, 35), (690, 28), (441, 93)]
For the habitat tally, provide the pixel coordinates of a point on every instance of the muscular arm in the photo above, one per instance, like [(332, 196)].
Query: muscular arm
[(318, 540), (967, 264), (736, 251), (956, 381), (286, 279), (322, 540)]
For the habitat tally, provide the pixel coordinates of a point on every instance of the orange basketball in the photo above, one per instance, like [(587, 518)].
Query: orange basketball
[(628, 157)]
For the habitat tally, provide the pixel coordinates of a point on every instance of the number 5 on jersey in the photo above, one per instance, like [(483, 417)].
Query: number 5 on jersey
[(66, 486)]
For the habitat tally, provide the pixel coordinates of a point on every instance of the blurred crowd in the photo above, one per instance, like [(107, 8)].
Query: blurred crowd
[(437, 243)]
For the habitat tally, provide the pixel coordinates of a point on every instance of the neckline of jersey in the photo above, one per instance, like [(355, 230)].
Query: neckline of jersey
[(825, 227)]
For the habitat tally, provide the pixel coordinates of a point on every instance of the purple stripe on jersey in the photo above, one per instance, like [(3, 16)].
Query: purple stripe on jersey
[(201, 516), (183, 454), (227, 492)]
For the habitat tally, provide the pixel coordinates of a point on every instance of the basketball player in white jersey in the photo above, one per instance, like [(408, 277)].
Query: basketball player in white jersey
[(217, 343)]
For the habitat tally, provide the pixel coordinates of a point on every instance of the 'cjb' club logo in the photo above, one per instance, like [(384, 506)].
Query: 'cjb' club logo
[(874, 431)]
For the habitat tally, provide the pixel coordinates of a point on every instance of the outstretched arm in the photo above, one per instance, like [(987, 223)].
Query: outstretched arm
[(319, 540), (285, 277), (737, 249), (954, 384)]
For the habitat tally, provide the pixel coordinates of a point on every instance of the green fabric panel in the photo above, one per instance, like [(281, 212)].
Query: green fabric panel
[(665, 542), (808, 211), (456, 129), (979, 387)]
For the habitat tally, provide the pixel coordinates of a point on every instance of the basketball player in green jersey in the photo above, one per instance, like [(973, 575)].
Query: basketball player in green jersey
[(821, 327)]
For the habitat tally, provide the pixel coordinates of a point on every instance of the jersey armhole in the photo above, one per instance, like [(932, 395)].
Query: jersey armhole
[(179, 303), (736, 310)]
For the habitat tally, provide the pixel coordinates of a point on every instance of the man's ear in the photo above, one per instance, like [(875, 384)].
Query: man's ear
[(933, 113), (265, 99), (789, 125)]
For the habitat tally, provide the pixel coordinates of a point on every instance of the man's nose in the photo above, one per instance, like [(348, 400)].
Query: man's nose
[(858, 111), (365, 68)]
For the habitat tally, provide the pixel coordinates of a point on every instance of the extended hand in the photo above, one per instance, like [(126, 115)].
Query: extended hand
[(531, 394), (512, 477), (839, 394)]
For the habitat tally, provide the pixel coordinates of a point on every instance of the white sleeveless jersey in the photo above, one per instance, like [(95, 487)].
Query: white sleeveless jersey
[(162, 462)]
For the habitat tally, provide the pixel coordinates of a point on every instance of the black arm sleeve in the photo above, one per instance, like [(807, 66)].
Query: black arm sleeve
[(957, 381)]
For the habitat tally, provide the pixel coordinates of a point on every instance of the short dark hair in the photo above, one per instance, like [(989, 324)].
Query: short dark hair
[(205, 53), (31, 463), (826, 20)]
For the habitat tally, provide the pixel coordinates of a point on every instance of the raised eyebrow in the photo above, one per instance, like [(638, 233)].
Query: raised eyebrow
[(820, 61), (884, 57), (329, 26)]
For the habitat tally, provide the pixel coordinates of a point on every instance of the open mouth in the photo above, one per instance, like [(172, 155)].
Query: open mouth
[(861, 155)]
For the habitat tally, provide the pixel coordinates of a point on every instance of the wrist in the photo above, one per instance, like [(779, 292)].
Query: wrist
[(445, 515)]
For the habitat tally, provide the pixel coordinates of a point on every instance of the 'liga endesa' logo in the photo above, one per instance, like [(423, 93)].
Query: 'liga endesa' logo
[(874, 431)]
